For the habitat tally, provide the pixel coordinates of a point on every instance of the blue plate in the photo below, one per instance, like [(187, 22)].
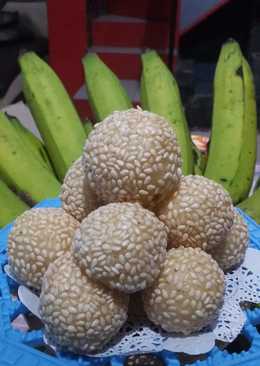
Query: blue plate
[(19, 348)]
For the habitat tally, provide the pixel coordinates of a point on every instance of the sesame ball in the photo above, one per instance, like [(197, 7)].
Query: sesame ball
[(188, 293), (200, 214), (133, 156), (122, 245), (79, 315), (77, 198), (38, 237), (231, 251)]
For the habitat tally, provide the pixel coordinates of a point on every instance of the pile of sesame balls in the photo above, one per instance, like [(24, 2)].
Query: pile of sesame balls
[(130, 223)]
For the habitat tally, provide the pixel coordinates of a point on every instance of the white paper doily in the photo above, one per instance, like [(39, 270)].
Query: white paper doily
[(140, 335)]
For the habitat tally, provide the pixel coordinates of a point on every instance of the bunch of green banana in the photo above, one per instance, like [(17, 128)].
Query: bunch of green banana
[(105, 92), (32, 142), (11, 205), (21, 170), (160, 94), (232, 149), (56, 118)]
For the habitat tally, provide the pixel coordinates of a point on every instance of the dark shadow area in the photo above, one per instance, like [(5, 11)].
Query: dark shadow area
[(241, 343), (258, 328), (189, 359), (231, 21), (16, 37), (144, 360), (45, 349)]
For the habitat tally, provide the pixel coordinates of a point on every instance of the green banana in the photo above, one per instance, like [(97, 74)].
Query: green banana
[(105, 91), (160, 94), (232, 149), (251, 205), (21, 170), (11, 205), (244, 178), (32, 142), (53, 112)]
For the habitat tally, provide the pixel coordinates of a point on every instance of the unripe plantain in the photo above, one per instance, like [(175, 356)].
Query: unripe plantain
[(21, 170), (232, 151), (53, 112), (105, 92), (160, 94), (11, 205)]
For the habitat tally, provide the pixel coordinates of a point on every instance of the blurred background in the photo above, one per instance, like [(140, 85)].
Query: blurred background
[(187, 33)]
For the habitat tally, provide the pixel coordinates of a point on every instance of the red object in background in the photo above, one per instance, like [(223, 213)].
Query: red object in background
[(140, 8), (137, 33), (68, 38), (67, 28)]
